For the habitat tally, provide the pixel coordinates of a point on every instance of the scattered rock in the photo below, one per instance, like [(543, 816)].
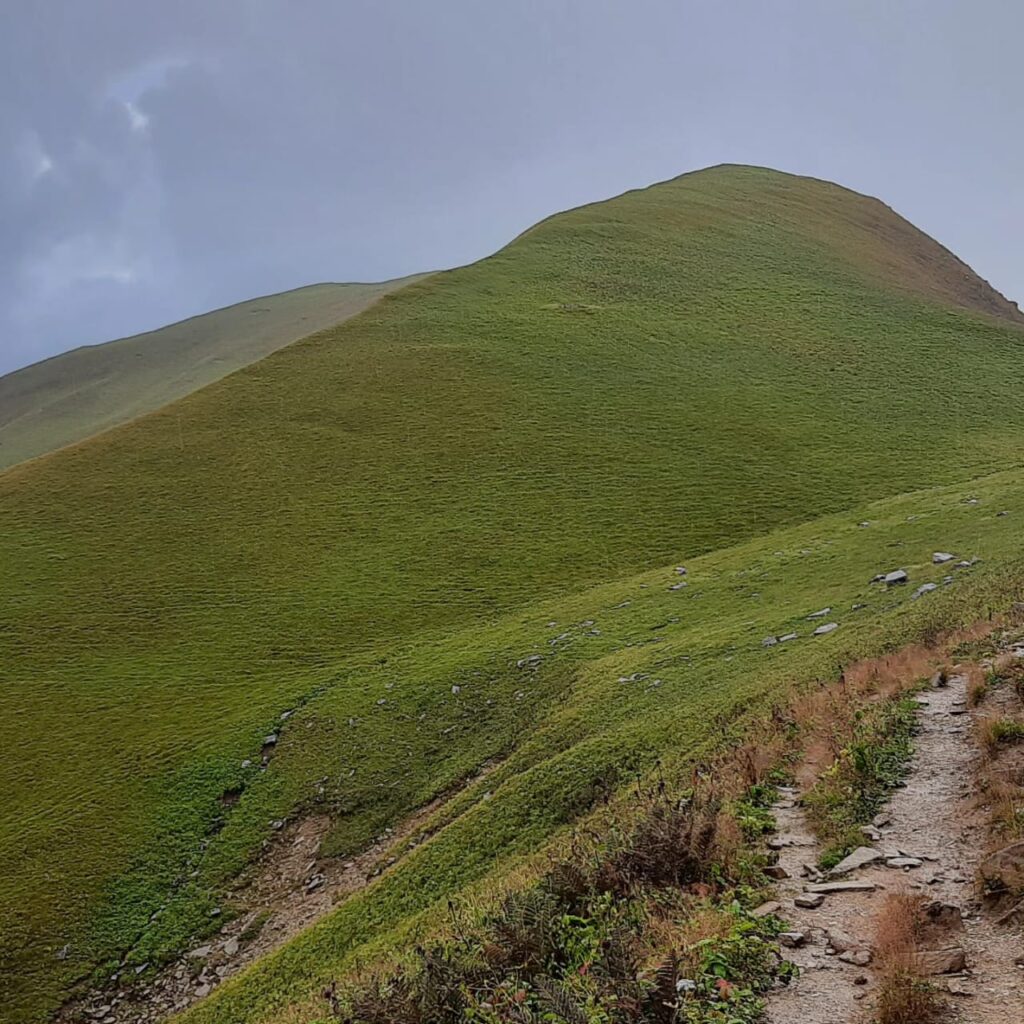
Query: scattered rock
[(871, 832), (270, 740), (767, 909), (943, 916), (895, 578), (788, 636), (942, 961), (792, 940), (769, 641), (958, 987), (1003, 871), (925, 588), (857, 957), (776, 871), (881, 819), (840, 942), (678, 586), (903, 862), (231, 946), (819, 615), (201, 953), (941, 557), (860, 858), (809, 900), (456, 690), (827, 887), (680, 570), (827, 628)]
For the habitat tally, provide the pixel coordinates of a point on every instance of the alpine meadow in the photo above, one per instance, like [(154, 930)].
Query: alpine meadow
[(468, 563)]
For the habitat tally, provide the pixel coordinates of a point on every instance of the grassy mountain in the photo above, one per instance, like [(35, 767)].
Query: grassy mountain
[(75, 395), (399, 505)]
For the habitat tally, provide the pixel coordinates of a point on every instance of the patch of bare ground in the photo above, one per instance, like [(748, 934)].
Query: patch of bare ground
[(288, 889), (905, 936)]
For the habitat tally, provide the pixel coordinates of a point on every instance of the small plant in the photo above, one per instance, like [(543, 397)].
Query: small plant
[(904, 996), (865, 771), (977, 690), (994, 733)]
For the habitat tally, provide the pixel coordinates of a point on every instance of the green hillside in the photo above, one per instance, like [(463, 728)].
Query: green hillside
[(402, 503), (77, 394)]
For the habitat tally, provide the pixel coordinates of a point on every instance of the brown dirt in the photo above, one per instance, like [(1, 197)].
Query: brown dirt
[(287, 890), (936, 818)]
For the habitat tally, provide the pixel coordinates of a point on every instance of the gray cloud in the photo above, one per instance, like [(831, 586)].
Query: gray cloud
[(162, 159)]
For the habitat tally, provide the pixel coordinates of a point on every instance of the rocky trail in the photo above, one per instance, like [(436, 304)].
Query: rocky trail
[(929, 840)]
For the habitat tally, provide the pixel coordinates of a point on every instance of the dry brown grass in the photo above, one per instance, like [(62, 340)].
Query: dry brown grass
[(904, 996)]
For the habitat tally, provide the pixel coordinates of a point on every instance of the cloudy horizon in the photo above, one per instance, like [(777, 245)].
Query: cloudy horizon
[(161, 163)]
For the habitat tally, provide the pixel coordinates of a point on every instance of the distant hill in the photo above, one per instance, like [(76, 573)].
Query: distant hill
[(442, 534), (77, 394)]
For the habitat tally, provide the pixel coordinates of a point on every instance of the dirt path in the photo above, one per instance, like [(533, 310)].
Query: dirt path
[(934, 822)]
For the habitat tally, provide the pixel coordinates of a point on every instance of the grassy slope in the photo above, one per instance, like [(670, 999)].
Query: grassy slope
[(672, 372), (75, 395), (703, 648)]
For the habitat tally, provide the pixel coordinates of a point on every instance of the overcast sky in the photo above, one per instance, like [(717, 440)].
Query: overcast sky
[(162, 159)]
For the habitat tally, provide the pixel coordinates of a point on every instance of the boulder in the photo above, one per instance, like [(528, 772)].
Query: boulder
[(861, 857), (925, 588), (827, 628), (792, 940), (776, 872), (1003, 871), (941, 557), (896, 577)]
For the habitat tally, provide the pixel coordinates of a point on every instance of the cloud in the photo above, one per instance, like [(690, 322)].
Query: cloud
[(136, 118)]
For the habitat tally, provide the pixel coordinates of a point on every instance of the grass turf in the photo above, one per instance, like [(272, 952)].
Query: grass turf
[(678, 371), (77, 394)]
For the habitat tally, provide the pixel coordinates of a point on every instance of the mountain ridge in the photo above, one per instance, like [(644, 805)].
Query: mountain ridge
[(676, 372)]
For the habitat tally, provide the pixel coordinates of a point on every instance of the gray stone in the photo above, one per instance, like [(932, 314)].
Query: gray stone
[(769, 641), (776, 872), (857, 957), (201, 953), (767, 909), (941, 557), (231, 946), (942, 961), (788, 636), (819, 615), (903, 862), (925, 588), (827, 628), (841, 942), (829, 887), (809, 900), (792, 940), (860, 858), (896, 577)]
